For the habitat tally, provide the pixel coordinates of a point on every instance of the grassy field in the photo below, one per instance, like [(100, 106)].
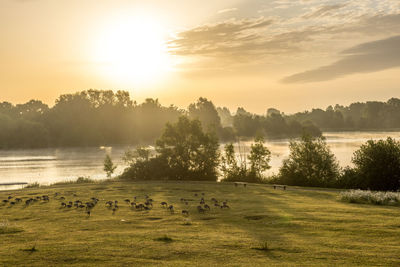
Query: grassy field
[(262, 227)]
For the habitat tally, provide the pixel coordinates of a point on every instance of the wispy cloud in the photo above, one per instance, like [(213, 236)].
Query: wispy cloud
[(220, 38), (227, 10), (323, 11), (367, 57), (264, 36)]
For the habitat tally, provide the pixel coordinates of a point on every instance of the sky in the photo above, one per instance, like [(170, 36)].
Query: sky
[(292, 55)]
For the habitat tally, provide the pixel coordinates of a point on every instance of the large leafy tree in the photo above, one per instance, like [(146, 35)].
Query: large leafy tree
[(310, 163), (190, 153), (377, 165)]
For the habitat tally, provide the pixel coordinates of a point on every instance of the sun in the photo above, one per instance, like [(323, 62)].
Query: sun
[(133, 50)]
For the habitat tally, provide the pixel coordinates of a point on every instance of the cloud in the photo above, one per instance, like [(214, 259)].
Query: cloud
[(227, 10), (220, 38), (367, 57), (323, 11), (252, 39)]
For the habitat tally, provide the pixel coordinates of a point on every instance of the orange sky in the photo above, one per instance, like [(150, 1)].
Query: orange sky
[(291, 55)]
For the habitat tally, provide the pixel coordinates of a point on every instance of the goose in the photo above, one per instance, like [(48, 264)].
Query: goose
[(200, 209), (185, 212)]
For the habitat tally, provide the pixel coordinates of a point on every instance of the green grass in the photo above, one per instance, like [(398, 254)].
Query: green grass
[(263, 227)]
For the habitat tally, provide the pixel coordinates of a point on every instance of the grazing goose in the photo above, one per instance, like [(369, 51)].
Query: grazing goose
[(224, 206), (171, 208), (200, 209), (185, 212)]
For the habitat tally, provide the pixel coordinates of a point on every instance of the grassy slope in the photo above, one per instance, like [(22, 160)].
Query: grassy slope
[(301, 227)]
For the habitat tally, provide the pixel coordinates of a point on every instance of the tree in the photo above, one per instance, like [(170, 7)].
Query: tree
[(259, 157), (229, 165), (310, 163), (140, 154), (191, 153), (183, 152), (205, 111), (109, 166), (377, 165)]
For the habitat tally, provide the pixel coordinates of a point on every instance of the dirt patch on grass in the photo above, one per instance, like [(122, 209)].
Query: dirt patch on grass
[(154, 218), (165, 239), (100, 188), (255, 217), (208, 218)]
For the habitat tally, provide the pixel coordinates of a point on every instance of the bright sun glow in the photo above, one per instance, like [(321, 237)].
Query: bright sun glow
[(133, 50)]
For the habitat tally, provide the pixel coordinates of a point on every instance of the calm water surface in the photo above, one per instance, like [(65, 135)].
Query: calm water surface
[(48, 166)]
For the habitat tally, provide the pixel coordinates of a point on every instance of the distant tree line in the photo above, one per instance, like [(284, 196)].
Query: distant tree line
[(102, 117), (370, 115)]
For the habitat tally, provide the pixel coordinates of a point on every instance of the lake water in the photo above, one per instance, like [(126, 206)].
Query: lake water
[(47, 166)]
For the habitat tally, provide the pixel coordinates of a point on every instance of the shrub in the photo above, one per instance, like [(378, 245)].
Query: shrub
[(310, 163), (348, 179), (152, 169)]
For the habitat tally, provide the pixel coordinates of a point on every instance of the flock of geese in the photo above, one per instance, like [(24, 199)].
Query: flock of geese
[(113, 205)]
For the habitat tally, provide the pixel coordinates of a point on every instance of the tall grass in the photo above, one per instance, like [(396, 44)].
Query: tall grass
[(80, 180), (33, 185), (371, 197)]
